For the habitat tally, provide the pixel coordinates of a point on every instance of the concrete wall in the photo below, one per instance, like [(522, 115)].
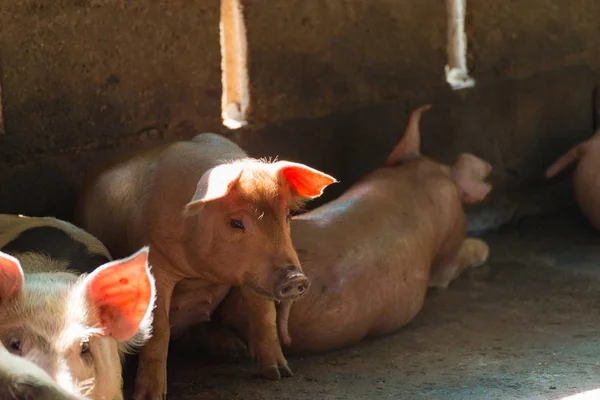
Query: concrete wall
[(332, 83)]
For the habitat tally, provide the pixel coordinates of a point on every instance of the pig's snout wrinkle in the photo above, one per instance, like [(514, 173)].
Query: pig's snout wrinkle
[(292, 286)]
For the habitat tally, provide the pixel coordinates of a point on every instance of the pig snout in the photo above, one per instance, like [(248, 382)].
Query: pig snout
[(291, 284)]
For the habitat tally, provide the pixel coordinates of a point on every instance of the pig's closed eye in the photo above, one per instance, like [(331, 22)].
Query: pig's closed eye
[(236, 224), (14, 346)]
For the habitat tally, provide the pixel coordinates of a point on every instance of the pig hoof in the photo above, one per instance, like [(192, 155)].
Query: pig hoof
[(272, 373), (286, 371), (275, 373)]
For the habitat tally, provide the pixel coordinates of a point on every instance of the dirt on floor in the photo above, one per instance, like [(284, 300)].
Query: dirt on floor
[(523, 327)]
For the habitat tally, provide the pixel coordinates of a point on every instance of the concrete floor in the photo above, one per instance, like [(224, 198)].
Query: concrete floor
[(524, 327)]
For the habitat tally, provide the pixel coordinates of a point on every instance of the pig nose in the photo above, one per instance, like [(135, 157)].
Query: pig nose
[(293, 285)]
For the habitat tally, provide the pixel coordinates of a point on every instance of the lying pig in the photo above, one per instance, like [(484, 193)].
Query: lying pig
[(71, 325), (372, 253), (21, 379), (586, 178), (213, 219)]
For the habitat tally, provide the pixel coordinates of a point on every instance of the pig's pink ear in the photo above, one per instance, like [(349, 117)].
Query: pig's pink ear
[(410, 144), (469, 173), (473, 191), (11, 276), (305, 181), (215, 184), (123, 292)]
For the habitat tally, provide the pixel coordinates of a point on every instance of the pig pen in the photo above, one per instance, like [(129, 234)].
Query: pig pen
[(331, 85)]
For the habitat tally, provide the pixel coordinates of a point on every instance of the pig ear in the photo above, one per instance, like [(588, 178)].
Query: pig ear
[(215, 184), (305, 181), (469, 173), (473, 191), (11, 276), (410, 144), (123, 292)]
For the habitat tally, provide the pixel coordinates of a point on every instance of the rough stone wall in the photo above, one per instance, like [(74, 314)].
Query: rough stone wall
[(332, 84)]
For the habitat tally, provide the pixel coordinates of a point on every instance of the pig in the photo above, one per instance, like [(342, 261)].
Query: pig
[(73, 325), (586, 177), (21, 379), (372, 253), (213, 219)]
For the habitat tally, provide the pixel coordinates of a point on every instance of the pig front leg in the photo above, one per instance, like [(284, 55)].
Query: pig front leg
[(151, 379), (472, 253), (255, 317)]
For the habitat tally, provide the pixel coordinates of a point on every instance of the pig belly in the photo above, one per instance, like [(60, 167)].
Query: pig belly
[(327, 321), (193, 302)]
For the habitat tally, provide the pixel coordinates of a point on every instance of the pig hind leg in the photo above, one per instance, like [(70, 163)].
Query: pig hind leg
[(472, 253)]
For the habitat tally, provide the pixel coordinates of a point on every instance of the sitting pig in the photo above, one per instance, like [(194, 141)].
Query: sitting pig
[(586, 178), (21, 379), (213, 219), (372, 253), (71, 325)]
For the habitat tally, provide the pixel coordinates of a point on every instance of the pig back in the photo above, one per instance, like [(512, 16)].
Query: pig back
[(145, 194), (57, 240), (368, 255)]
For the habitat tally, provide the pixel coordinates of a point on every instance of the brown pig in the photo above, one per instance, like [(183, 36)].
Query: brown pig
[(372, 253), (21, 379), (73, 326), (586, 177), (213, 219)]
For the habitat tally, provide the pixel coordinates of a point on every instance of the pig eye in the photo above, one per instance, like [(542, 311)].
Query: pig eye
[(236, 224), (85, 347), (15, 346)]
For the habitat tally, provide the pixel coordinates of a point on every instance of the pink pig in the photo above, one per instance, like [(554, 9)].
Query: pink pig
[(213, 219), (74, 327)]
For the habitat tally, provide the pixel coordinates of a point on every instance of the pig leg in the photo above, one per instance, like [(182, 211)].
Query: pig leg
[(255, 317), (151, 380), (472, 253)]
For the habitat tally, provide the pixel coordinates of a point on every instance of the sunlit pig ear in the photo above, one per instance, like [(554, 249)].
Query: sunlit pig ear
[(214, 184), (304, 181), (11, 276), (123, 294)]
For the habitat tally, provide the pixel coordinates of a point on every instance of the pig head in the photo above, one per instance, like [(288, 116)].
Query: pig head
[(72, 326), (240, 215), (22, 379)]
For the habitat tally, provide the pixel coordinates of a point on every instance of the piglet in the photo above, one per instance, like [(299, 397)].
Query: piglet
[(372, 253), (213, 219), (73, 326), (586, 178), (21, 379)]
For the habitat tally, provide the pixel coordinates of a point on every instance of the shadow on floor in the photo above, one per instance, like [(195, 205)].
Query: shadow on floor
[(524, 328)]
